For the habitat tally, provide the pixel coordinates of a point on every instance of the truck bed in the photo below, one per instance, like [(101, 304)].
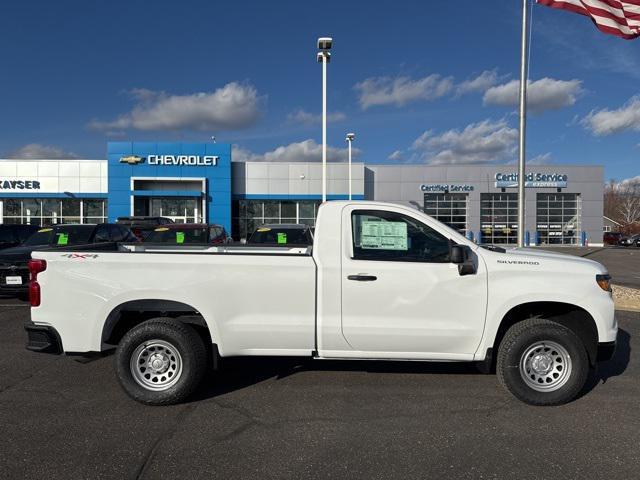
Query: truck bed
[(256, 300)]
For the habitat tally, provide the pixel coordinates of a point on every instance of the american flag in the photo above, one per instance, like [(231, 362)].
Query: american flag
[(615, 17)]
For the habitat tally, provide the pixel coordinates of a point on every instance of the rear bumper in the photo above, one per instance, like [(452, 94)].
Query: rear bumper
[(42, 338), (606, 351), (14, 289)]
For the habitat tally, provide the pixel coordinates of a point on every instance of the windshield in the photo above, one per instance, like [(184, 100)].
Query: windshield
[(61, 235), (281, 236), (177, 236)]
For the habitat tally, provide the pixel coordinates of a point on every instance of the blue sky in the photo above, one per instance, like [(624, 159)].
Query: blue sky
[(416, 81)]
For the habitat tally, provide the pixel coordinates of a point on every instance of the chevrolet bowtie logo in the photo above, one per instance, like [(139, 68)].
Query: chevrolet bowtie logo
[(131, 159)]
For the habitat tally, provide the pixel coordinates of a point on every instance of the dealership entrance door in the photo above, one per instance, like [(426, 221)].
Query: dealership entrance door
[(178, 209)]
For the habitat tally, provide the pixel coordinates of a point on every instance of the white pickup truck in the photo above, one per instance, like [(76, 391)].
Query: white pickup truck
[(381, 281)]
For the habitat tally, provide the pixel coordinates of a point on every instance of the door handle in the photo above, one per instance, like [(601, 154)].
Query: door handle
[(362, 278)]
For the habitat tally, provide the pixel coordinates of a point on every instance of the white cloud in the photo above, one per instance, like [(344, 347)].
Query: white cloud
[(231, 107), (543, 159), (35, 151), (607, 122), (481, 83), (543, 94), (305, 151), (397, 155), (628, 183), (482, 142), (401, 90), (307, 118)]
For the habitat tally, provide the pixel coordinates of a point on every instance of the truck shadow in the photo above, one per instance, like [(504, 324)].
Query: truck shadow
[(242, 372), (611, 368)]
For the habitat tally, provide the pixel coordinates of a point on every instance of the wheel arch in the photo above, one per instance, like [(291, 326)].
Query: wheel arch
[(573, 317), (128, 314)]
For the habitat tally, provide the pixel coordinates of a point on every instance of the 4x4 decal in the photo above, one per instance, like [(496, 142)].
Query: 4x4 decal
[(80, 256)]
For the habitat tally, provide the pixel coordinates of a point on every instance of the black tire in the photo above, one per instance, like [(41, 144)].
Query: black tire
[(512, 367), (174, 339)]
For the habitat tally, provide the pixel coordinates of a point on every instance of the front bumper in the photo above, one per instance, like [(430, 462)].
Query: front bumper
[(42, 338)]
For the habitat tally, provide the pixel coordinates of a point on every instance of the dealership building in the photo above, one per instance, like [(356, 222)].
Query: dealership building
[(199, 182)]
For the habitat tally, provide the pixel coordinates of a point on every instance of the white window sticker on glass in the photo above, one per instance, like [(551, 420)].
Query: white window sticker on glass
[(384, 235)]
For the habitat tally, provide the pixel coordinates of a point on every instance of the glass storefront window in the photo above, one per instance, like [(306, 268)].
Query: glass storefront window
[(448, 208), (250, 214), (187, 210), (558, 218), (51, 211), (499, 217)]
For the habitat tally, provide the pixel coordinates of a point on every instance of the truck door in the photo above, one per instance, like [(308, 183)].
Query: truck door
[(400, 293)]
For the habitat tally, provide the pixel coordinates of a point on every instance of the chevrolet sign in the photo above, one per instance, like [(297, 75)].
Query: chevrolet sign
[(131, 159), (187, 160)]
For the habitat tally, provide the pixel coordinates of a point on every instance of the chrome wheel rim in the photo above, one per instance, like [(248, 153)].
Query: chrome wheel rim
[(545, 366), (156, 365)]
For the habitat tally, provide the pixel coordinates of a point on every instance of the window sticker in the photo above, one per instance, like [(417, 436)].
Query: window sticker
[(43, 230), (282, 238), (264, 229), (179, 237), (63, 238), (161, 229), (384, 235)]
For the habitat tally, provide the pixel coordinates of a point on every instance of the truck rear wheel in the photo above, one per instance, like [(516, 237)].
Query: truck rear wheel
[(160, 362), (541, 362)]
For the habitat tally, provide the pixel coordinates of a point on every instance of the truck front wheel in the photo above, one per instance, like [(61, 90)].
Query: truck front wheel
[(160, 362), (542, 362)]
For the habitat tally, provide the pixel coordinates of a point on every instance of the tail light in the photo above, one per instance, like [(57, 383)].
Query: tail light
[(35, 267)]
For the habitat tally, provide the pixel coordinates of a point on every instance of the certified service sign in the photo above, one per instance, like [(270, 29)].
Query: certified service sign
[(532, 180)]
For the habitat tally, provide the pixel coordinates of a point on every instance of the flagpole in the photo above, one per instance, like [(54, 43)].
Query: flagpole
[(523, 121)]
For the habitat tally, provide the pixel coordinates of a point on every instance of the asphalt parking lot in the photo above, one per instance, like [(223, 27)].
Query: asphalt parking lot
[(275, 418), (623, 263)]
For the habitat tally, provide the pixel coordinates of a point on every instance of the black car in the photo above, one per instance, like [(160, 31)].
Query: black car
[(13, 235), (282, 234), (14, 274), (181, 233), (142, 226)]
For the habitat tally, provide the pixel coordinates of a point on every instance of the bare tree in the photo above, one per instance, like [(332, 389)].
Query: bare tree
[(611, 200), (628, 201)]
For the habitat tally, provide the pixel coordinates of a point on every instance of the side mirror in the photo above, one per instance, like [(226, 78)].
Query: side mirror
[(461, 255), (458, 254)]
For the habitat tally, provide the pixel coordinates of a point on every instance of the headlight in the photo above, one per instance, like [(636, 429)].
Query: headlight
[(604, 281)]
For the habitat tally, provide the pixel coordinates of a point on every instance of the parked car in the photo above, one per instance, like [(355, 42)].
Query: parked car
[(141, 226), (629, 241), (13, 235), (14, 273), (381, 281), (180, 233), (282, 234), (611, 238)]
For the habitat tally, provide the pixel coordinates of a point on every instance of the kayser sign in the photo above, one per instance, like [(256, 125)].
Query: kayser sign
[(19, 185)]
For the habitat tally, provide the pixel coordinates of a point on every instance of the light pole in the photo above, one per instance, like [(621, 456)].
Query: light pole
[(350, 138), (324, 56)]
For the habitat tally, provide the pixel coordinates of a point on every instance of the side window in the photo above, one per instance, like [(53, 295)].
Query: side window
[(216, 232), (116, 233), (394, 237), (101, 235), (129, 236)]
